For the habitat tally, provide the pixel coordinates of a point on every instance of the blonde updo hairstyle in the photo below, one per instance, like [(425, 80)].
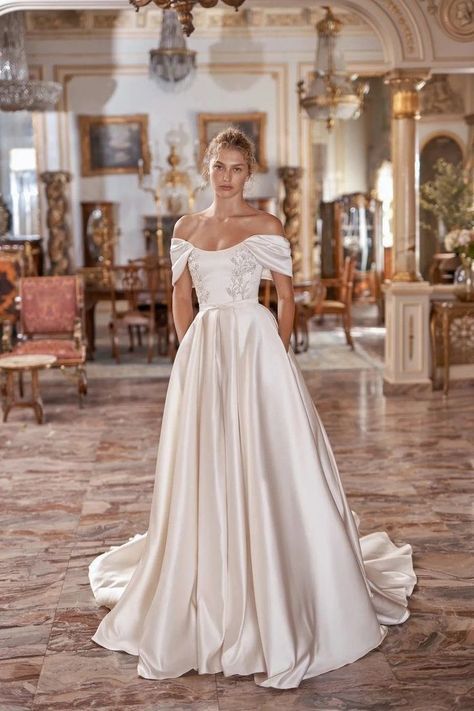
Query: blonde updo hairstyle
[(232, 138)]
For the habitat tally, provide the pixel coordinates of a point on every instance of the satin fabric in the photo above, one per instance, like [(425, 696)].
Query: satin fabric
[(252, 562)]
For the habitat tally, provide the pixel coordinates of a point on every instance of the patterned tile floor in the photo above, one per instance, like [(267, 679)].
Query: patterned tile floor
[(83, 481)]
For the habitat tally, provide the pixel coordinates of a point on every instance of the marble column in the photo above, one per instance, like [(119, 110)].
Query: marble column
[(405, 85), (407, 298)]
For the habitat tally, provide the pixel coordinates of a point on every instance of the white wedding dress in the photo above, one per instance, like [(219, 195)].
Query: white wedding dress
[(252, 563)]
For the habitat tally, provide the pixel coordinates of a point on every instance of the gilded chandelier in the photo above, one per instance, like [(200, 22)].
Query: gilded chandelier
[(333, 93), (184, 8)]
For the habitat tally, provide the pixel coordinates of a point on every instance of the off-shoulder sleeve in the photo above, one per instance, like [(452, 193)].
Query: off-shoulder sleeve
[(273, 252), (180, 250)]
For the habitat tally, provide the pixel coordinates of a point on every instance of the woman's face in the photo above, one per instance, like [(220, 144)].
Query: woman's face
[(228, 172)]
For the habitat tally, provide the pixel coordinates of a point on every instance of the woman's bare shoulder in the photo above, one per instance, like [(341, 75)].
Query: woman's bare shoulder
[(185, 226), (268, 224)]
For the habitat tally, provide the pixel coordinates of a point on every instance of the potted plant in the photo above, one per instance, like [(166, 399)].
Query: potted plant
[(449, 197)]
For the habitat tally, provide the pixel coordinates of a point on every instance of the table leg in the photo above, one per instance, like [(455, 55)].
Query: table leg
[(90, 329), (9, 400), (36, 397), (434, 378), (446, 351)]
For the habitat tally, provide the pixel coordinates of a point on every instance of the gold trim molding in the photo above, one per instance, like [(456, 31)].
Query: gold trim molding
[(456, 17), (267, 20)]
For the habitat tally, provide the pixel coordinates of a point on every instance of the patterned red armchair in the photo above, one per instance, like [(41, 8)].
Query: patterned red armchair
[(51, 322)]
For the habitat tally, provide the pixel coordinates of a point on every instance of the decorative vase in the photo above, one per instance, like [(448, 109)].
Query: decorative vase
[(464, 279)]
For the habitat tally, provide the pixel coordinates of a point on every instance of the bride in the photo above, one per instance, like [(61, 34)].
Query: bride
[(252, 562)]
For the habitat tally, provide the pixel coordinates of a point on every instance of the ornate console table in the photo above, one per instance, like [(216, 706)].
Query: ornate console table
[(452, 337)]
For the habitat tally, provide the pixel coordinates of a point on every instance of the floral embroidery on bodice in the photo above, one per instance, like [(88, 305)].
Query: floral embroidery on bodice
[(195, 270), (234, 273)]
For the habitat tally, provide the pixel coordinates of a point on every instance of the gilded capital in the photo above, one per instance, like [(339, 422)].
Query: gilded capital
[(406, 85)]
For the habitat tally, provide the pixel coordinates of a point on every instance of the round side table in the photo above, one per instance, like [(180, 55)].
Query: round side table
[(20, 364)]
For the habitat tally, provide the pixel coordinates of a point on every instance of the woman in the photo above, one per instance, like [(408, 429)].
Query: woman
[(252, 562)]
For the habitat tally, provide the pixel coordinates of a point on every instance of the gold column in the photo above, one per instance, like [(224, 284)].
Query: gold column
[(291, 177), (406, 84), (59, 242)]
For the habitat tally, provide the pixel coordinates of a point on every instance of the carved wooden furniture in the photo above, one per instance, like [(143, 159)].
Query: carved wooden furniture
[(158, 270), (308, 299), (99, 228), (51, 323), (139, 284), (291, 178), (452, 337), (341, 306), (60, 238), (11, 270), (352, 226), (30, 251), (150, 227), (12, 364)]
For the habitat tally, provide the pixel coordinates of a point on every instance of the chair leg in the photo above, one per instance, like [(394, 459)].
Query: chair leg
[(115, 343), (346, 322), (20, 384), (81, 384), (151, 340), (131, 339), (139, 336)]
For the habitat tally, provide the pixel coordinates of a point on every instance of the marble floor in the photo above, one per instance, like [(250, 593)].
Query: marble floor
[(83, 481)]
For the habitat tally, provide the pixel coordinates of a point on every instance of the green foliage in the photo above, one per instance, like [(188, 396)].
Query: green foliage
[(449, 197)]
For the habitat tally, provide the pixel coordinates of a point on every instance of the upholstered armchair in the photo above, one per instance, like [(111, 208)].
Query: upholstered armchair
[(51, 323)]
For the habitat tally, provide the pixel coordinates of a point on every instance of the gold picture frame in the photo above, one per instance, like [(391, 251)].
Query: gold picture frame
[(254, 125), (113, 145)]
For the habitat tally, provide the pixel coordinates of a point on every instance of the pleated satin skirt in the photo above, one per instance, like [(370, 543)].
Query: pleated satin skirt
[(252, 562)]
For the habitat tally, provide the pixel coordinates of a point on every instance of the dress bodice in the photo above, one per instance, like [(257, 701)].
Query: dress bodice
[(232, 274)]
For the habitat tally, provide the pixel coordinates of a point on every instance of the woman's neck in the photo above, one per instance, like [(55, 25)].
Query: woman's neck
[(223, 209)]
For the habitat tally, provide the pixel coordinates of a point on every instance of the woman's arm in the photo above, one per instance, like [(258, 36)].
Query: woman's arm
[(182, 300), (286, 306), (182, 304), (283, 284)]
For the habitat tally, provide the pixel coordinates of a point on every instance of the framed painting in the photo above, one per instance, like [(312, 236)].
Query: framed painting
[(253, 125), (112, 145)]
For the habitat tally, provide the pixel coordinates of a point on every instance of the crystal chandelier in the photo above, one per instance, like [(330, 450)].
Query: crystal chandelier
[(333, 93), (172, 61), (17, 91), (184, 8)]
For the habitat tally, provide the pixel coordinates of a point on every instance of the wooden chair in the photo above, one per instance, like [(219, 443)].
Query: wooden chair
[(307, 303), (342, 305), (23, 253), (159, 269), (52, 323), (139, 283)]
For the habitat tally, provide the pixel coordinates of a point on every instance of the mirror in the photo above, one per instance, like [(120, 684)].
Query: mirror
[(18, 174)]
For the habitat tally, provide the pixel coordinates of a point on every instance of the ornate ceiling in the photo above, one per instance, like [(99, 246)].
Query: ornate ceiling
[(429, 33)]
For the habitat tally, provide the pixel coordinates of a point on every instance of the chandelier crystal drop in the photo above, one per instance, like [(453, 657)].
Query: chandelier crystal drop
[(184, 8), (17, 91), (172, 62), (332, 93)]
